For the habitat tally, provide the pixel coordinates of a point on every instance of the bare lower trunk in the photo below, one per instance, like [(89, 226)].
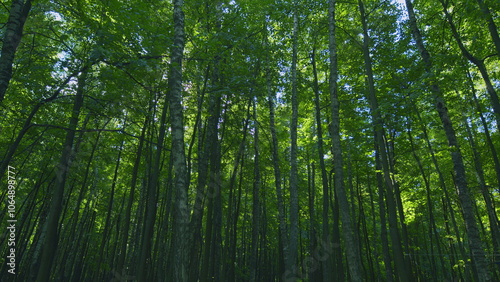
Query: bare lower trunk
[(256, 203), (181, 214), (294, 189), (351, 242), (327, 263)]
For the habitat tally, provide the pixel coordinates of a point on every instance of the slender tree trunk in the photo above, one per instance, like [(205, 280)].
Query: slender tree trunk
[(277, 175), (128, 210), (52, 225), (484, 123), (314, 273), (327, 263), (163, 240), (211, 266), (107, 224), (213, 155), (294, 189), (71, 233), (351, 241), (400, 262), (433, 231), (196, 221), (232, 211), (181, 214), (238, 208), (442, 184), (490, 209), (465, 198), (19, 11), (375, 226), (383, 220), (152, 201), (27, 124), (364, 225), (339, 272), (256, 201), (492, 27), (477, 62)]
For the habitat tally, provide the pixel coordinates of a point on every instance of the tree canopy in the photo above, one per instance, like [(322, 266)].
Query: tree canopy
[(250, 140)]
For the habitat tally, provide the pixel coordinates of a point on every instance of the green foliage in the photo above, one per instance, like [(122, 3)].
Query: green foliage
[(237, 51)]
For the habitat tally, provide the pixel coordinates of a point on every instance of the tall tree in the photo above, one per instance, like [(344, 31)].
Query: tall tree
[(464, 195), (256, 209), (167, 121), (52, 228), (283, 230), (351, 242), (294, 185), (327, 263), (181, 215)]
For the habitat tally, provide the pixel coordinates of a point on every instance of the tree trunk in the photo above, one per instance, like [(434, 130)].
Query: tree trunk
[(388, 260), (128, 210), (364, 226), (256, 201), (107, 223), (152, 201), (401, 264), (484, 123), (27, 124), (465, 198), (479, 64), (339, 272), (314, 273), (213, 158), (196, 221), (51, 228), (351, 241), (327, 263), (433, 231), (492, 27), (181, 214), (490, 208), (12, 37), (277, 175), (294, 186), (233, 210), (447, 203)]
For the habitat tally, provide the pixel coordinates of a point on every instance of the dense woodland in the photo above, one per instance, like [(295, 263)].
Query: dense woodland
[(250, 140)]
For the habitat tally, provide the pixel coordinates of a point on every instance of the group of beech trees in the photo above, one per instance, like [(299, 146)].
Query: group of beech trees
[(250, 140)]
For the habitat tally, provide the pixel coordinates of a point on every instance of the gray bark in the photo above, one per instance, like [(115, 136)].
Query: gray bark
[(294, 188), (277, 174), (466, 200), (327, 263), (256, 202), (477, 62), (12, 37), (351, 242), (181, 215)]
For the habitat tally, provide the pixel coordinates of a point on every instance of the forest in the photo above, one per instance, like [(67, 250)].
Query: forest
[(250, 140)]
